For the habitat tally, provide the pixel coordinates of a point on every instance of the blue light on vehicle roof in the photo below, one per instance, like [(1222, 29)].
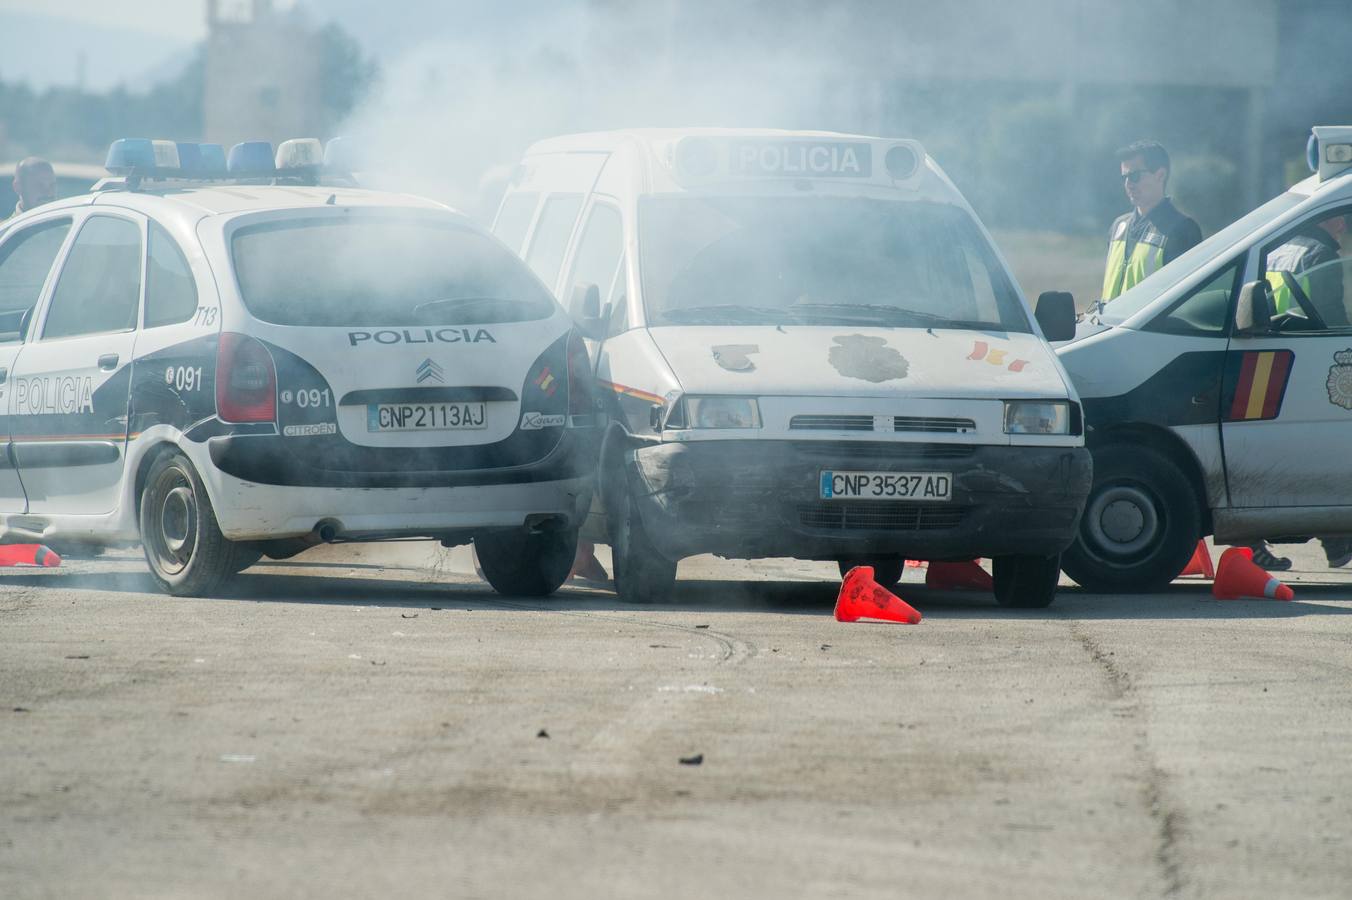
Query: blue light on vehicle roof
[(212, 160), (189, 159), (130, 154), (251, 158)]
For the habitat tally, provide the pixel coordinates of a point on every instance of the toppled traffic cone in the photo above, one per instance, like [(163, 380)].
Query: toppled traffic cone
[(1238, 578), (958, 576), (863, 598), (1200, 564), (28, 555)]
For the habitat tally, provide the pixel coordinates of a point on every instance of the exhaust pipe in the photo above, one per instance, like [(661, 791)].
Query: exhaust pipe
[(326, 532)]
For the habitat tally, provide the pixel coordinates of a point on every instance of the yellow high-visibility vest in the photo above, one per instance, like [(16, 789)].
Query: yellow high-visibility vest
[(1124, 272)]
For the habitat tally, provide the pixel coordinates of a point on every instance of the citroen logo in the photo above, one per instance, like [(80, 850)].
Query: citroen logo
[(430, 371)]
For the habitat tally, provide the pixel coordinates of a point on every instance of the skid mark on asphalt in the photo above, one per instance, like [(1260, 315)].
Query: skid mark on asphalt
[(1169, 821)]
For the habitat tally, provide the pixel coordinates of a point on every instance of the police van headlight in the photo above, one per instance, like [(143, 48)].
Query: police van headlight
[(1037, 417), (719, 412)]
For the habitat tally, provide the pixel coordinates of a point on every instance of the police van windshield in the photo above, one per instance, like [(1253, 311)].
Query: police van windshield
[(820, 261), (382, 271), (1157, 283)]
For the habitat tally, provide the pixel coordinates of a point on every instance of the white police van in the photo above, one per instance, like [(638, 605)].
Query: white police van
[(808, 347), (223, 361), (1208, 410)]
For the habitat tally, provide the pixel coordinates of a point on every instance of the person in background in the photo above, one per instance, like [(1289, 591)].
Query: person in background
[(1154, 233), (35, 183)]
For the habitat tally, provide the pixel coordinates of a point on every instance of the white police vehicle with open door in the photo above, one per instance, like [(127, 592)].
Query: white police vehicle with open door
[(223, 361), (1218, 391), (808, 347)]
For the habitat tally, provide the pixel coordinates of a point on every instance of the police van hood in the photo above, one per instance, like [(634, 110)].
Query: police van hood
[(860, 362)]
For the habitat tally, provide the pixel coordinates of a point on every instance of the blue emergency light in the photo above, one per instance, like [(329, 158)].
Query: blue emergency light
[(130, 155), (212, 160), (189, 159), (251, 159)]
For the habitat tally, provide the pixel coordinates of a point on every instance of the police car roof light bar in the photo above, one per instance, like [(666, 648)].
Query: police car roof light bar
[(251, 159), (127, 156)]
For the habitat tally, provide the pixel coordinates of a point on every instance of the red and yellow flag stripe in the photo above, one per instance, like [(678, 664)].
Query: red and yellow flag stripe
[(1262, 382)]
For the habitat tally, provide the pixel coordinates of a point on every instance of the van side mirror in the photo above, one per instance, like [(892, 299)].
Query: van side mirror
[(1253, 313), (1055, 312), (586, 307)]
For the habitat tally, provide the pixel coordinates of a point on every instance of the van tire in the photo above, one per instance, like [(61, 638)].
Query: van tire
[(521, 564), (1025, 582), (187, 554), (1134, 484), (887, 570), (642, 573)]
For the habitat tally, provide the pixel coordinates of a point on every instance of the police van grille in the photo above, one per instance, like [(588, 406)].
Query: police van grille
[(831, 423), (932, 424), (835, 453), (880, 516)]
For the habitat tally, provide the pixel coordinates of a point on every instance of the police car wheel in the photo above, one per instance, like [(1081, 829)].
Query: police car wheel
[(642, 573), (187, 554), (886, 569), (522, 564), (1025, 582), (1140, 526)]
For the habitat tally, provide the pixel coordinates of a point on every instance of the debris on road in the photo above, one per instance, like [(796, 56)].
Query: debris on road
[(407, 616), (79, 656), (542, 734), (696, 760)]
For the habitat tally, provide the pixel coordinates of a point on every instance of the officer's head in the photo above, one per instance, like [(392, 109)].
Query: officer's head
[(34, 182), (1145, 172)]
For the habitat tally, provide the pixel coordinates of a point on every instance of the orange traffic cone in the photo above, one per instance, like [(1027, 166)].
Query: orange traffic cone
[(863, 598), (958, 576), (28, 555), (1200, 564), (1238, 578)]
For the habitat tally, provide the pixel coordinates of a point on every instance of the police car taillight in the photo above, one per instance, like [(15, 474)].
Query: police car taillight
[(580, 393), (246, 380)]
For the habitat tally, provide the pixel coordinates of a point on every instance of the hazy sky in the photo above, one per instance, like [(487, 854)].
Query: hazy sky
[(182, 19)]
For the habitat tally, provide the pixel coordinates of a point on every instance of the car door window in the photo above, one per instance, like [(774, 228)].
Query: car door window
[(1205, 310), (171, 295), (551, 236), (25, 261), (99, 288), (598, 254), (1307, 275), (514, 220)]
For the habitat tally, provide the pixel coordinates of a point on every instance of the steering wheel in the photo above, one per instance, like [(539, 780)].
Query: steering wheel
[(1314, 321)]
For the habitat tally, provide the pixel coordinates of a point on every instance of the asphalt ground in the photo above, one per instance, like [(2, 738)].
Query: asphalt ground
[(371, 721)]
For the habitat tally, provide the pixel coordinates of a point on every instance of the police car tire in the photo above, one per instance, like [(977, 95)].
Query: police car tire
[(212, 558), (1175, 505), (642, 573), (886, 569), (521, 564), (1025, 582)]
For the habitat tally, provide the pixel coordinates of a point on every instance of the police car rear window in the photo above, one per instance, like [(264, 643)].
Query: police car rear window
[(778, 260), (381, 271)]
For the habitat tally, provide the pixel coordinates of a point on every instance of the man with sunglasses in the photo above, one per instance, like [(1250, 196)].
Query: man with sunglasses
[(1155, 232)]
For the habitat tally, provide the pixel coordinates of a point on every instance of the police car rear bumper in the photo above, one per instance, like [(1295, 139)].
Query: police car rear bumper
[(749, 499), (272, 460)]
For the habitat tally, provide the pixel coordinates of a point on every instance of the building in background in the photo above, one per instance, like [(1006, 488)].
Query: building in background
[(263, 73)]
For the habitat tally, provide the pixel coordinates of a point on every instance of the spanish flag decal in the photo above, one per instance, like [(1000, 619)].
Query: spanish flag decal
[(1259, 384)]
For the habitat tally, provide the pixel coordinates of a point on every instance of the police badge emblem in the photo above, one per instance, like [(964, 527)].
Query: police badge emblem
[(1340, 379)]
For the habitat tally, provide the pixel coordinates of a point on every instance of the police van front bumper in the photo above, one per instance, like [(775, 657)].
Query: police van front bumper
[(751, 499)]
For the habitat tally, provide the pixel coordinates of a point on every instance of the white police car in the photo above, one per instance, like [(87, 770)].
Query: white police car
[(809, 347), (1212, 410), (228, 361)]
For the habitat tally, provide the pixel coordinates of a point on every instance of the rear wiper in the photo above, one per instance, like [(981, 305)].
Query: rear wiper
[(461, 303)]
